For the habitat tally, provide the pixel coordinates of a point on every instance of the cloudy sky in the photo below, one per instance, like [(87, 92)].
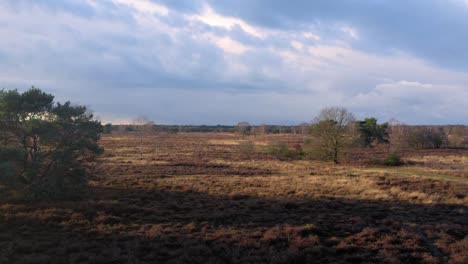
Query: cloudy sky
[(224, 61)]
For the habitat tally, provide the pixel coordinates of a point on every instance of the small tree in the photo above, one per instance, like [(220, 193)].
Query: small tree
[(398, 134), (371, 132), (144, 126), (260, 130), (243, 128), (332, 131), (45, 144)]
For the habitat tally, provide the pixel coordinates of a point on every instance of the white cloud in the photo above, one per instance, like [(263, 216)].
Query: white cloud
[(408, 100), (350, 31), (210, 17), (296, 44), (229, 45), (144, 6), (313, 36)]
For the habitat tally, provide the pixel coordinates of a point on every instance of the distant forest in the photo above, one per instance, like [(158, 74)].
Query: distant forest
[(269, 129), (454, 136)]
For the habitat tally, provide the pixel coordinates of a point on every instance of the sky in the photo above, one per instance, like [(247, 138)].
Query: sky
[(223, 61)]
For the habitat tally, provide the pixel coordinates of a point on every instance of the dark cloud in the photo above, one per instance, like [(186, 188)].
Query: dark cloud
[(436, 30), (260, 61)]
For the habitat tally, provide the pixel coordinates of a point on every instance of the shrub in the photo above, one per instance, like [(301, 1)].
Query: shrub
[(393, 160), (247, 149), (282, 151), (279, 150), (107, 129)]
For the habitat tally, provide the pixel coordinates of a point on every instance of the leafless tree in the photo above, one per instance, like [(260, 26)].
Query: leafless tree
[(243, 128), (260, 130), (144, 126), (427, 137), (458, 135), (332, 131), (398, 134)]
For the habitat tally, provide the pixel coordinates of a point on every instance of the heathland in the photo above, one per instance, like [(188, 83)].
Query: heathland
[(226, 198)]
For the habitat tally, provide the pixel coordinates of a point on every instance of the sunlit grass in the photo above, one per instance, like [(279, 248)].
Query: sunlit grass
[(416, 172)]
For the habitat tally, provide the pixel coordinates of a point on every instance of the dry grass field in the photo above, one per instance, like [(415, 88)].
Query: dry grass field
[(197, 198)]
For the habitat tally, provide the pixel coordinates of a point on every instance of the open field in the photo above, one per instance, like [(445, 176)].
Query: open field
[(195, 198)]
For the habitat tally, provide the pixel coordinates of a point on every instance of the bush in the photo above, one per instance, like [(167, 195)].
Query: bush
[(282, 151), (107, 129), (393, 160), (247, 149)]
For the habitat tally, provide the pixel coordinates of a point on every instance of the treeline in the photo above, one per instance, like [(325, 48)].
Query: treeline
[(252, 129), (413, 136), (109, 128), (427, 137)]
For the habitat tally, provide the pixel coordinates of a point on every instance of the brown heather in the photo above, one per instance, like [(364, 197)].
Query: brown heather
[(194, 198)]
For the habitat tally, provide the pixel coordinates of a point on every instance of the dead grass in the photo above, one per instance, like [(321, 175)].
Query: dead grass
[(192, 198)]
